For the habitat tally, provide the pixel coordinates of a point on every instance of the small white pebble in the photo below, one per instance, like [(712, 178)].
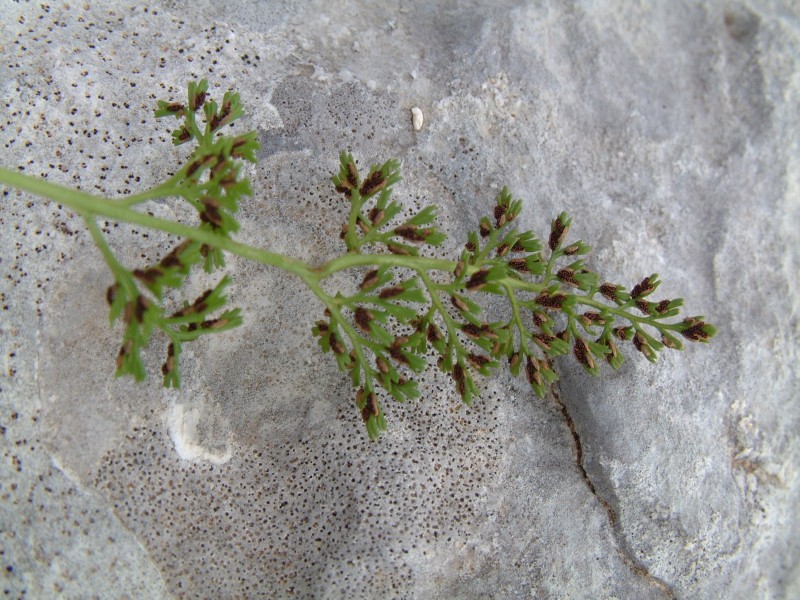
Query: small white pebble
[(416, 118)]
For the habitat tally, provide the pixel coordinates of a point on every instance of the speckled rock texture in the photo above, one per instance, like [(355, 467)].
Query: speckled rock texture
[(667, 130)]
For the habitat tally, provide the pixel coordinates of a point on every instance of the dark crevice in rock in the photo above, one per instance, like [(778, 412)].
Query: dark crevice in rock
[(623, 548)]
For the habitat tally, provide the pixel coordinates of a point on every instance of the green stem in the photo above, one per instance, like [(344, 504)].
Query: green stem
[(355, 211), (436, 301), (87, 204), (521, 284), (121, 274), (416, 263), (168, 188), (618, 312), (517, 318)]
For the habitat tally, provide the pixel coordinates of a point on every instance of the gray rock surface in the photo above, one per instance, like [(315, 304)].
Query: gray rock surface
[(667, 130)]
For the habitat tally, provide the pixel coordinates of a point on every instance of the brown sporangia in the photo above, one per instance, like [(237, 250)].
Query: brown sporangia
[(220, 165), (375, 182), (567, 275), (696, 330), (376, 215), (456, 301), (214, 323), (370, 280), (222, 117), (499, 215), (228, 180), (582, 353), (136, 309), (519, 264), (198, 306), (668, 342), (169, 365), (642, 288), (398, 355), (642, 346), (173, 259), (623, 333), (371, 407), (485, 228), (184, 135), (391, 292), (148, 276), (336, 345), (479, 331), (460, 378), (551, 301), (176, 108), (644, 306), (543, 340), (111, 293), (609, 290), (478, 361), (518, 247), (363, 317), (478, 280), (614, 351), (399, 250), (540, 318), (382, 365), (352, 175), (199, 100), (344, 189), (459, 270), (591, 317), (367, 403), (533, 372), (410, 233), (201, 162), (238, 143), (558, 232), (211, 212), (433, 333), (662, 307), (124, 351)]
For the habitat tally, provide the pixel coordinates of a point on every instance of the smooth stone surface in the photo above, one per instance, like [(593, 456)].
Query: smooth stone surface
[(667, 130)]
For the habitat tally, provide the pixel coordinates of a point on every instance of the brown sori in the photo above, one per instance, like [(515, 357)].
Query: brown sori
[(642, 288), (478, 280), (372, 184), (169, 364), (409, 232), (581, 352), (609, 290), (391, 292), (551, 301), (363, 318), (370, 280), (459, 378), (519, 264), (433, 333)]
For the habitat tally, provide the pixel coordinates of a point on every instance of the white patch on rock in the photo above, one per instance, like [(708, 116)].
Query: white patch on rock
[(417, 118), (183, 425)]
